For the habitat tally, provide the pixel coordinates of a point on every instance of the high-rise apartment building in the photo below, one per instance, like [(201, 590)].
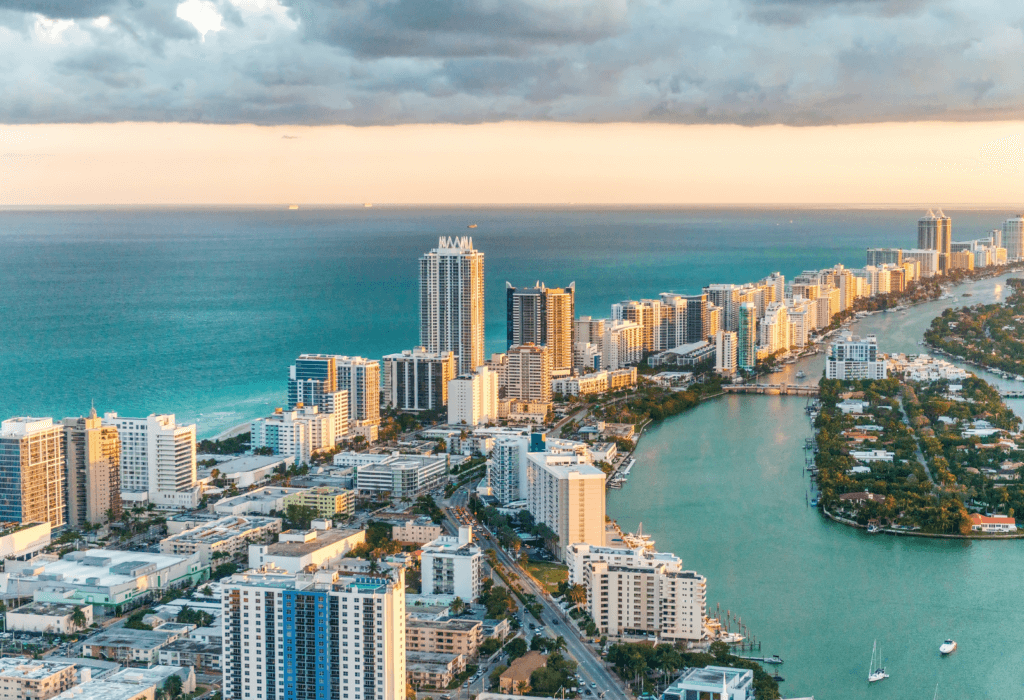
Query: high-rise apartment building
[(1013, 238), (588, 350), (92, 453), (315, 636), (727, 298), (928, 260), (855, 358), (884, 256), (32, 471), (622, 344), (543, 316), (746, 337), (473, 398), (725, 352), (529, 373), (566, 493), (297, 433), (777, 282), (452, 301), (453, 565), (935, 232), (315, 380), (506, 467), (646, 313), (158, 456), (417, 379), (773, 332)]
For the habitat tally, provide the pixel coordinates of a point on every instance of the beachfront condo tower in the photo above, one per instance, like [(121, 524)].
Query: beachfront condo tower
[(746, 337), (32, 471), (93, 456), (543, 316), (452, 301), (1013, 237)]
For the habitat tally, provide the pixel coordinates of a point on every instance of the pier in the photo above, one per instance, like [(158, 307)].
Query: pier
[(776, 389), (1012, 393)]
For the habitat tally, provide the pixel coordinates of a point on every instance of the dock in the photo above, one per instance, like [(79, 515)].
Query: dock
[(773, 389)]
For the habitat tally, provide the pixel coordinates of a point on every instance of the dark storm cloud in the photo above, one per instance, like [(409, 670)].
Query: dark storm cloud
[(364, 62)]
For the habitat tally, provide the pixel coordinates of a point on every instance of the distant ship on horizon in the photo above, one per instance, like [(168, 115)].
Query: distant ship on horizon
[(293, 206)]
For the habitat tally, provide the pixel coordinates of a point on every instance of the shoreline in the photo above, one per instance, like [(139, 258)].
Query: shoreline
[(932, 535), (232, 432)]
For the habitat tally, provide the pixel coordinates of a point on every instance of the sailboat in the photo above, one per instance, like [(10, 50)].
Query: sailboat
[(876, 671)]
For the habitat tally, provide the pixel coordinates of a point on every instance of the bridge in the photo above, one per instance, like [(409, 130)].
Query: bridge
[(779, 389), (1012, 393)]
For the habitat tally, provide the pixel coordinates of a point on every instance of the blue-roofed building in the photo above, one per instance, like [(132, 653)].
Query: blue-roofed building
[(714, 682)]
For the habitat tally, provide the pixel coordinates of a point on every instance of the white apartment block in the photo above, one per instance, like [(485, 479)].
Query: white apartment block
[(622, 344), (802, 321), (648, 314), (296, 434), (529, 373), (473, 398), (855, 358), (773, 332), (452, 301), (507, 466), (633, 590), (30, 679), (725, 352), (401, 476), (567, 493), (158, 456), (453, 566), (927, 259), (1013, 238), (360, 377), (595, 382), (313, 636), (231, 534)]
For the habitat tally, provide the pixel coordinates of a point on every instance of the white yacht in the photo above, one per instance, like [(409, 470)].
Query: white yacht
[(876, 671), (947, 647)]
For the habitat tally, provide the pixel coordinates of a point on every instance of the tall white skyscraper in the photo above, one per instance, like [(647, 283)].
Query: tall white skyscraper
[(158, 456), (452, 301), (725, 352), (1013, 237)]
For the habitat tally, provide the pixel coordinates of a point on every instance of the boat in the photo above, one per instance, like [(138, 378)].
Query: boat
[(947, 647), (777, 678), (876, 671), (800, 374), (814, 501), (368, 205), (293, 206), (471, 226), (775, 659), (1019, 378), (872, 529)]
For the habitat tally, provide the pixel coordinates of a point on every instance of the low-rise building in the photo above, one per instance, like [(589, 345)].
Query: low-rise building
[(50, 618), (712, 681), (329, 501), (298, 550), (156, 677), (689, 355), (132, 646), (924, 368), (449, 635), (401, 475), (603, 451), (262, 501), (418, 531), (433, 670), (517, 676), (595, 382), (104, 578), (453, 565), (23, 540), (248, 471), (204, 657), (872, 455), (231, 534), (32, 679), (992, 524)]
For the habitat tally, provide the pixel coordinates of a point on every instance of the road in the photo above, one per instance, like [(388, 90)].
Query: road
[(917, 443), (591, 667)]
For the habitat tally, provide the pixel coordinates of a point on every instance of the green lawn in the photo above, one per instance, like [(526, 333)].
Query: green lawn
[(548, 574)]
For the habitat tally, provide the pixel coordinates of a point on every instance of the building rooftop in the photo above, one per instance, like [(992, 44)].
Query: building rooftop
[(524, 666), (223, 528), (711, 679), (324, 538), (131, 638), (100, 690), (268, 493), (429, 658), (30, 669), (43, 608), (94, 567), (249, 463), (194, 646), (447, 624)]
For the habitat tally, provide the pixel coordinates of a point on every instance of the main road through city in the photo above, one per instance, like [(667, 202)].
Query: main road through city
[(591, 667)]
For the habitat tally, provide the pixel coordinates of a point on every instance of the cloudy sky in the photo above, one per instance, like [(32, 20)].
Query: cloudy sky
[(685, 64)]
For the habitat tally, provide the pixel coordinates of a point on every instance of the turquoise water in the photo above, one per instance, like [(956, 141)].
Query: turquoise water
[(723, 487), (200, 312)]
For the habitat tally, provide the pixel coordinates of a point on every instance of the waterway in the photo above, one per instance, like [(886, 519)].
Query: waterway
[(723, 487)]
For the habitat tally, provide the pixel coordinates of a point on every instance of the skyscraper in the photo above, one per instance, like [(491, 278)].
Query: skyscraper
[(1013, 237), (452, 301), (417, 380), (93, 456), (318, 636), (935, 232), (746, 337), (725, 297), (543, 316), (529, 373), (317, 380), (725, 352), (885, 256), (31, 471)]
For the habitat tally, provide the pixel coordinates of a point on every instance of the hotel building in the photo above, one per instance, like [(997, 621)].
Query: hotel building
[(543, 316), (32, 471), (566, 493), (158, 457), (417, 379), (93, 457), (452, 301)]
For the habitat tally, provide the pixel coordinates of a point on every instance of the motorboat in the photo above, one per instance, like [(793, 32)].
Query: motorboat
[(775, 660), (947, 647), (800, 374)]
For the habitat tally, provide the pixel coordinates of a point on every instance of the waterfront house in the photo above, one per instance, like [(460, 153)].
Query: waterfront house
[(858, 497), (852, 406), (872, 455), (992, 524)]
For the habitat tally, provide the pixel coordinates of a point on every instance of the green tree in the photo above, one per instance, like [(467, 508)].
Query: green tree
[(458, 606), (172, 686), (78, 619), (516, 648)]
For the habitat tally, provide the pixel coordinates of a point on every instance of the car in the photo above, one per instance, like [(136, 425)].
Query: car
[(589, 691), (593, 685)]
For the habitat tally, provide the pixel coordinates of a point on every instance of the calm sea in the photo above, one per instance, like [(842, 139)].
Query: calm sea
[(199, 312)]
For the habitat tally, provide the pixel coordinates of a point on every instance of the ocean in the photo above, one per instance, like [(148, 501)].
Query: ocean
[(199, 312)]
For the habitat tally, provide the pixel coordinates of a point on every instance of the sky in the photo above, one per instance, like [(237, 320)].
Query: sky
[(689, 101)]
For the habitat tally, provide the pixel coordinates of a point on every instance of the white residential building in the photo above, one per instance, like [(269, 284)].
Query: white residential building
[(725, 352), (567, 493), (529, 373), (774, 329), (595, 382), (158, 456), (928, 260), (273, 623), (296, 434), (401, 476), (855, 358), (473, 398), (453, 566), (924, 368), (297, 550), (622, 344), (452, 301), (231, 534)]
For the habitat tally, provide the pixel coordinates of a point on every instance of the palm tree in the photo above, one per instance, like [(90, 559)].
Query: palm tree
[(559, 644), (577, 594), (78, 620), (458, 606)]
